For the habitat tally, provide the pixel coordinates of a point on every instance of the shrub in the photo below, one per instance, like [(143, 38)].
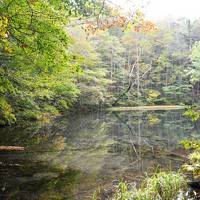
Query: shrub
[(190, 144)]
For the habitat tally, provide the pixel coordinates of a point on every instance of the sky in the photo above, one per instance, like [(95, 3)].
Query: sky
[(158, 9)]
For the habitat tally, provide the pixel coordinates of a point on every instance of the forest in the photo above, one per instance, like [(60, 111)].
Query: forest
[(105, 88)]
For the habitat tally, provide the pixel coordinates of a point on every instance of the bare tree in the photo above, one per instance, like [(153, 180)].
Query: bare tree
[(134, 78)]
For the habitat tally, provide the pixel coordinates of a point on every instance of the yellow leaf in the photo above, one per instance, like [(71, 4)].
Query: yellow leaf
[(3, 27)]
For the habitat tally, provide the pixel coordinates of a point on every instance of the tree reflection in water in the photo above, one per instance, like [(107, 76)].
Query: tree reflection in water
[(70, 158)]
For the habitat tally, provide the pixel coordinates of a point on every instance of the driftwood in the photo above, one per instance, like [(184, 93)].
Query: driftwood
[(11, 148)]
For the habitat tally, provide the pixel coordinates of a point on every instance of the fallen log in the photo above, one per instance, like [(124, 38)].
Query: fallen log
[(11, 148)]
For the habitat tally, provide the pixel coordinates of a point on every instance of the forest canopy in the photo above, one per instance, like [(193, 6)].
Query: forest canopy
[(59, 54)]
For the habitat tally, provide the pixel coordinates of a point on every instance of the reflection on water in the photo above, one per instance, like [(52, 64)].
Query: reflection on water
[(70, 158)]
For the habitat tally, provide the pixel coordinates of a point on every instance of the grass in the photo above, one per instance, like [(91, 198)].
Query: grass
[(146, 108), (161, 186)]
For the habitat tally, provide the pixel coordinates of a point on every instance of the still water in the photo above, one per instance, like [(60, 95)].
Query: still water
[(71, 157)]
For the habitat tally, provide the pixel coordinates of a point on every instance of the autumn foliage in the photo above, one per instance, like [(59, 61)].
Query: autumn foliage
[(137, 24)]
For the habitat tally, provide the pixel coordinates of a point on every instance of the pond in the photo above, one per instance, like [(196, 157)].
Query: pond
[(71, 157)]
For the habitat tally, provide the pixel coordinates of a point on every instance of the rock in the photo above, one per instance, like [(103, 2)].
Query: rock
[(115, 182), (194, 184)]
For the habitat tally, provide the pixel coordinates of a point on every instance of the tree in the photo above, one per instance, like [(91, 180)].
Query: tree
[(94, 81), (36, 68)]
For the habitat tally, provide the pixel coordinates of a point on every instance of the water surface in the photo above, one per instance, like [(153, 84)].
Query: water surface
[(71, 157)]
